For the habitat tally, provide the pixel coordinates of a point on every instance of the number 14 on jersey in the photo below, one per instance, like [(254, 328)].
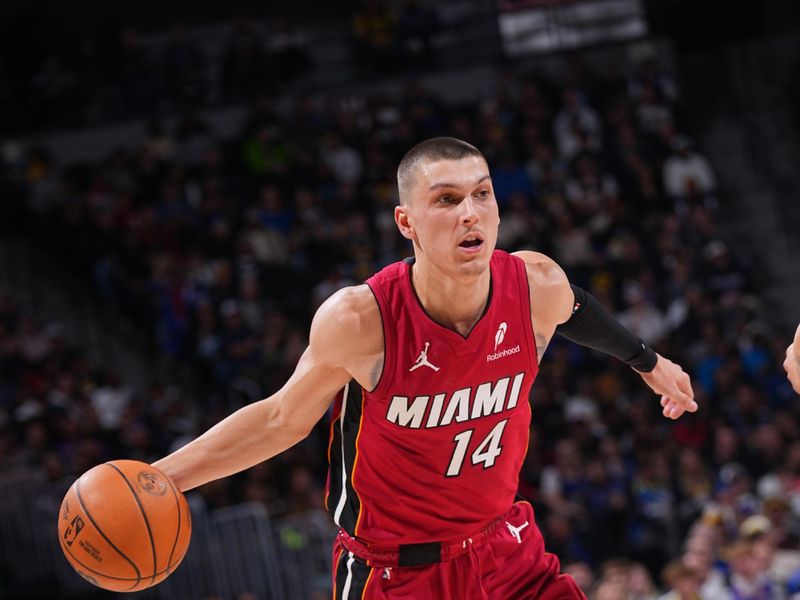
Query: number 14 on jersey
[(486, 453)]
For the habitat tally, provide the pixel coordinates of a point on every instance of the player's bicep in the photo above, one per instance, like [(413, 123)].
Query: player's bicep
[(551, 296), (326, 366), (309, 391)]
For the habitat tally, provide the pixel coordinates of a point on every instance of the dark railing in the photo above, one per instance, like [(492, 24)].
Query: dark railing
[(235, 551)]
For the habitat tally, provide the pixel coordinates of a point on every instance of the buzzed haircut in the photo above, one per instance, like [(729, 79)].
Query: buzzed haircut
[(431, 150)]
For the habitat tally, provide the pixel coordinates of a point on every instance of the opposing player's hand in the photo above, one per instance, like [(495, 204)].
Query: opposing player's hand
[(672, 383), (792, 362)]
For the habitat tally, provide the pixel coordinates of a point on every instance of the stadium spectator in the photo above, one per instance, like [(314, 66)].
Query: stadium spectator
[(682, 582), (687, 174), (577, 126)]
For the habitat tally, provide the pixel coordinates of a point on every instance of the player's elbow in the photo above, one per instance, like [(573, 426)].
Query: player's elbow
[(297, 429), (293, 424), (281, 421)]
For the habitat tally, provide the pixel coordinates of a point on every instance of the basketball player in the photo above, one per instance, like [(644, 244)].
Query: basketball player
[(429, 365), (792, 362)]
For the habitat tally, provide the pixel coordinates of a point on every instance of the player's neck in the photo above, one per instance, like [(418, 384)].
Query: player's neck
[(453, 303)]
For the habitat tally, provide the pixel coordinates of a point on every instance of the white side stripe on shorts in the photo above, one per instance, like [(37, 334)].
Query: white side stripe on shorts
[(340, 506), (349, 580)]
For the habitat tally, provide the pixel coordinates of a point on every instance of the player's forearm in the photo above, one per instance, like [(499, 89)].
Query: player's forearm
[(247, 437), (591, 325)]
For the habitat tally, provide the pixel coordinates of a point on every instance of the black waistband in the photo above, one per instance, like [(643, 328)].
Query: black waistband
[(415, 555)]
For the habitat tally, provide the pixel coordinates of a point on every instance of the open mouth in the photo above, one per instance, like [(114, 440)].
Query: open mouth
[(471, 243)]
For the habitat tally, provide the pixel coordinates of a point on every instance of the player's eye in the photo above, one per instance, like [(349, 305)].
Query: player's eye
[(446, 199), (483, 194)]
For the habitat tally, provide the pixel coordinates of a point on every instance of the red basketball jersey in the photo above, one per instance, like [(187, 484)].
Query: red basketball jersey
[(434, 451)]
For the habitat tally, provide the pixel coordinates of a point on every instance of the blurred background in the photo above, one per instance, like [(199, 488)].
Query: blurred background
[(182, 186)]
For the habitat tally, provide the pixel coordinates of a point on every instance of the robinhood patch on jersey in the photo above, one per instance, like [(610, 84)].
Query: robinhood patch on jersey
[(466, 404)]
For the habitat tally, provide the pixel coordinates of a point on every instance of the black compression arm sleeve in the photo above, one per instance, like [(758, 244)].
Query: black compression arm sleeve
[(591, 325)]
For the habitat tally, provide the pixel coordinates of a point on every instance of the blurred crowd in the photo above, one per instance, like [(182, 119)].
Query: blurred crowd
[(73, 79), (221, 250)]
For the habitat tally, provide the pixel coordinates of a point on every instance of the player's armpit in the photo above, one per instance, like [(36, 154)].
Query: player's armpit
[(541, 345)]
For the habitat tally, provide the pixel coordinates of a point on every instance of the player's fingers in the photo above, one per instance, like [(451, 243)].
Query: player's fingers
[(676, 411), (684, 397), (671, 408), (685, 384)]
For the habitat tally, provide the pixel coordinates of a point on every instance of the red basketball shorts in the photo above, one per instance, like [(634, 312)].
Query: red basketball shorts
[(507, 564)]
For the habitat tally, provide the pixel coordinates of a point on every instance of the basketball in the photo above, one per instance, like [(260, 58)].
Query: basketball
[(124, 526)]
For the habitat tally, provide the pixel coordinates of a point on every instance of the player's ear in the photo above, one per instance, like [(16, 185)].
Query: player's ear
[(403, 219)]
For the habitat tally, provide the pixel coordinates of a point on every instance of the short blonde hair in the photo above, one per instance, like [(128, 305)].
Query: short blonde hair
[(431, 150)]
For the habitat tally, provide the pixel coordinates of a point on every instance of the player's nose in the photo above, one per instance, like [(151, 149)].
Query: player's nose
[(469, 215)]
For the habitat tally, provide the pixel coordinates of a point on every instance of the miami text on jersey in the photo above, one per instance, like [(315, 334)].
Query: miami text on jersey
[(463, 405)]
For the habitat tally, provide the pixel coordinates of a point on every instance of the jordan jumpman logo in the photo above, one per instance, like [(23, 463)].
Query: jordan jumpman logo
[(422, 359), (515, 530)]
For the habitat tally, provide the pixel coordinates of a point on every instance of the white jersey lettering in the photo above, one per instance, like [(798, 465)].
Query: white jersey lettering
[(436, 411), (488, 400), (515, 387), (400, 413), (466, 404), (458, 401)]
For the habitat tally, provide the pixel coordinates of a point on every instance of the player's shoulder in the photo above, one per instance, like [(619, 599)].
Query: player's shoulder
[(550, 291), (349, 315), (541, 269), (351, 302)]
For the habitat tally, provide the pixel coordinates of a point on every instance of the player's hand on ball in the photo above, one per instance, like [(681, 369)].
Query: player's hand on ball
[(792, 362), (672, 383), (124, 526)]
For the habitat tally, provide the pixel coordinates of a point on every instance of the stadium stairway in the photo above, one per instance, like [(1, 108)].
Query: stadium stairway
[(755, 149), (57, 297)]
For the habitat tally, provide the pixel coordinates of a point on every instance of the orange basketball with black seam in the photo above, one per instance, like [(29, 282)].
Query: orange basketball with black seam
[(124, 526)]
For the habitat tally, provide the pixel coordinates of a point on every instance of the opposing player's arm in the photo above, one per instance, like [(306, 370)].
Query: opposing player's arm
[(344, 343), (792, 362), (557, 306)]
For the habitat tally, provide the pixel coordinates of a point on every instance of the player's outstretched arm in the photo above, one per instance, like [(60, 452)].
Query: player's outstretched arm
[(792, 362), (570, 311), (342, 339)]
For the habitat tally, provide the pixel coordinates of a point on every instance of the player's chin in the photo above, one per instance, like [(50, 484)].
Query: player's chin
[(473, 263)]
